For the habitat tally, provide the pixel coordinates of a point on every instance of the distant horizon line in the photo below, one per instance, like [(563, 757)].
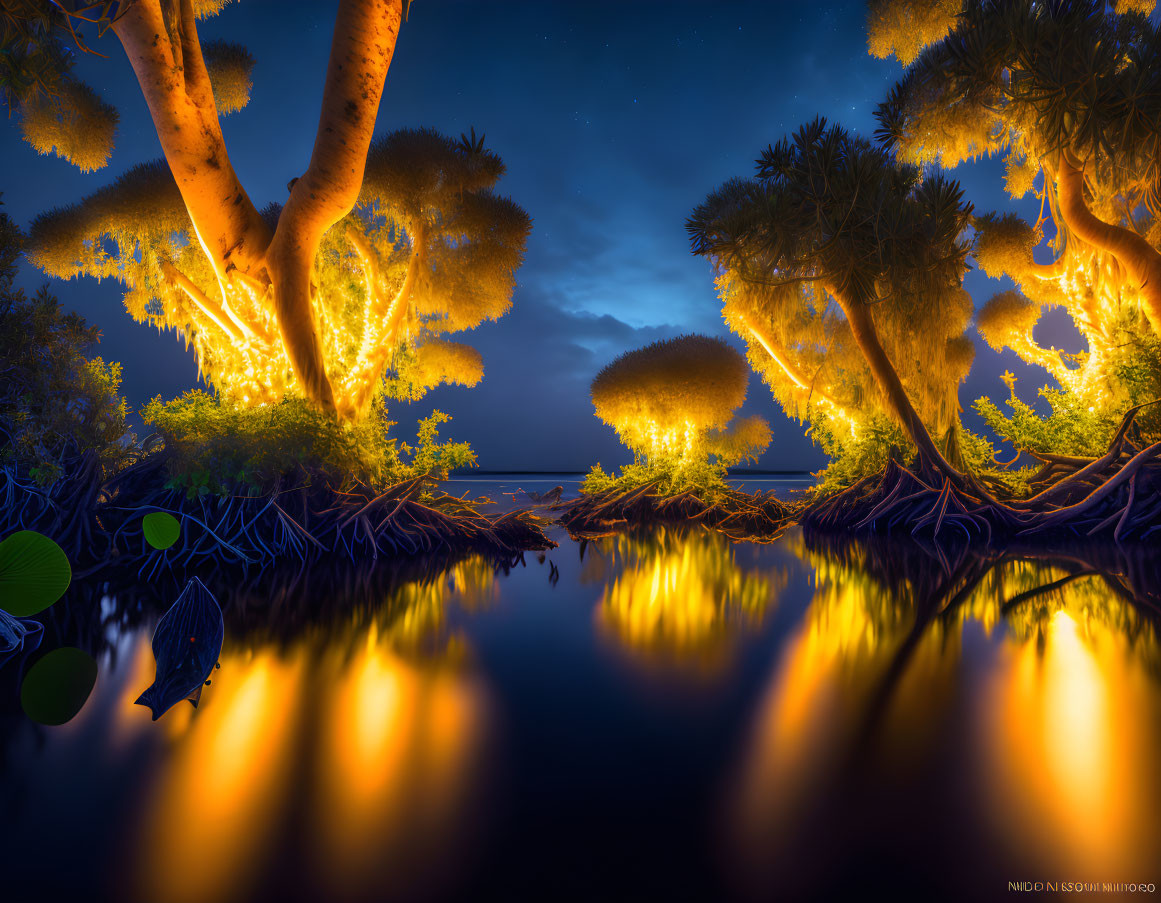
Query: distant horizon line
[(571, 473)]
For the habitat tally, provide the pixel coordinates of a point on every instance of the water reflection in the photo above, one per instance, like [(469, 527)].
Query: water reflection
[(369, 728), (1070, 731), (878, 718), (222, 794), (680, 597), (868, 728)]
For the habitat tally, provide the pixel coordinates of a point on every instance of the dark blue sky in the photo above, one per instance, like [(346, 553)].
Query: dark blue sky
[(614, 118)]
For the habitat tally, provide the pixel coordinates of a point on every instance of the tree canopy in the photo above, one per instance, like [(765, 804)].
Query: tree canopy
[(1068, 94), (827, 258), (343, 293), (671, 402)]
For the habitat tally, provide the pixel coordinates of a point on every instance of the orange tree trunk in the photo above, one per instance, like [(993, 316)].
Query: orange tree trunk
[(887, 379), (176, 85), (1141, 261), (166, 56), (361, 51)]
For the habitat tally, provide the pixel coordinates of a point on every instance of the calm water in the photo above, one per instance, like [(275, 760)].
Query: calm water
[(652, 717)]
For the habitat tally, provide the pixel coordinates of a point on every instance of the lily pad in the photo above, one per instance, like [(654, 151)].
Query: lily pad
[(161, 529), (58, 685), (34, 573)]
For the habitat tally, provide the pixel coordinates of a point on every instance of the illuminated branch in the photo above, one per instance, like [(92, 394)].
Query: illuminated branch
[(402, 300), (780, 359), (378, 346), (1142, 263), (361, 52), (205, 304)]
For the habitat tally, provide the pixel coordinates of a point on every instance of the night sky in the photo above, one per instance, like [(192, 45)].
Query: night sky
[(614, 119)]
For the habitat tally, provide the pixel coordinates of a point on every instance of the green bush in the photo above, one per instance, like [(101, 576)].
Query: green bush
[(220, 449), (56, 403)]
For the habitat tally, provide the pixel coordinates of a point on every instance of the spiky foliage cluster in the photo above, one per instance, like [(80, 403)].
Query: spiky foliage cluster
[(1069, 95), (430, 250), (828, 229), (671, 403), (902, 28), (56, 403), (58, 113), (218, 449), (230, 67)]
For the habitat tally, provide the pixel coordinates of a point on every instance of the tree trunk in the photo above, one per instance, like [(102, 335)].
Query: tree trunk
[(173, 78), (167, 59), (867, 338), (1141, 261), (361, 51)]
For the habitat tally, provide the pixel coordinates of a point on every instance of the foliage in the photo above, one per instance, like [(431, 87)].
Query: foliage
[(34, 573), (230, 67), (854, 457), (671, 403), (831, 228), (430, 250), (58, 113), (1067, 94), (55, 402), (58, 685), (218, 448), (161, 529), (902, 28), (431, 458)]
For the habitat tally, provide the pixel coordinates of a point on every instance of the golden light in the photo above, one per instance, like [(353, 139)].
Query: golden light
[(1070, 740), (683, 599), (398, 751), (220, 800)]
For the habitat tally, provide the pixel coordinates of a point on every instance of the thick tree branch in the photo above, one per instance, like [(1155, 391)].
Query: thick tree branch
[(886, 377), (361, 51), (1141, 261), (176, 88)]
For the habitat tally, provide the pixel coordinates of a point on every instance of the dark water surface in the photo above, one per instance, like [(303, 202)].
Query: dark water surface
[(648, 717)]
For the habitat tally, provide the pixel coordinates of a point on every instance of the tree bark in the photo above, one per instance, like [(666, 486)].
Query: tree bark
[(867, 338), (361, 52), (1141, 261), (177, 90)]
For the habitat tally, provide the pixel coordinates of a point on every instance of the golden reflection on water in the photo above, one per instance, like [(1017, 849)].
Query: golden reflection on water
[(681, 598), (220, 794), (1071, 737), (382, 721), (1066, 715), (824, 684)]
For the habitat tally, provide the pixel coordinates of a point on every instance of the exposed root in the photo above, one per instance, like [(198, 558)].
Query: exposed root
[(759, 518), (305, 519), (921, 501), (1117, 495), (64, 510)]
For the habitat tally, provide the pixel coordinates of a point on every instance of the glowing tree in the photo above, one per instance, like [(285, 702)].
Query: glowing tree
[(429, 250), (1069, 94), (313, 297), (842, 271), (672, 402)]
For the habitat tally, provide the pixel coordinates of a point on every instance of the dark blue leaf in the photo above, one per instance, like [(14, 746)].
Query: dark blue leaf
[(186, 645)]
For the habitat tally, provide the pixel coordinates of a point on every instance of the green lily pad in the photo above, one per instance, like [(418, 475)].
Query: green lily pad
[(34, 573), (58, 685), (161, 529)]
